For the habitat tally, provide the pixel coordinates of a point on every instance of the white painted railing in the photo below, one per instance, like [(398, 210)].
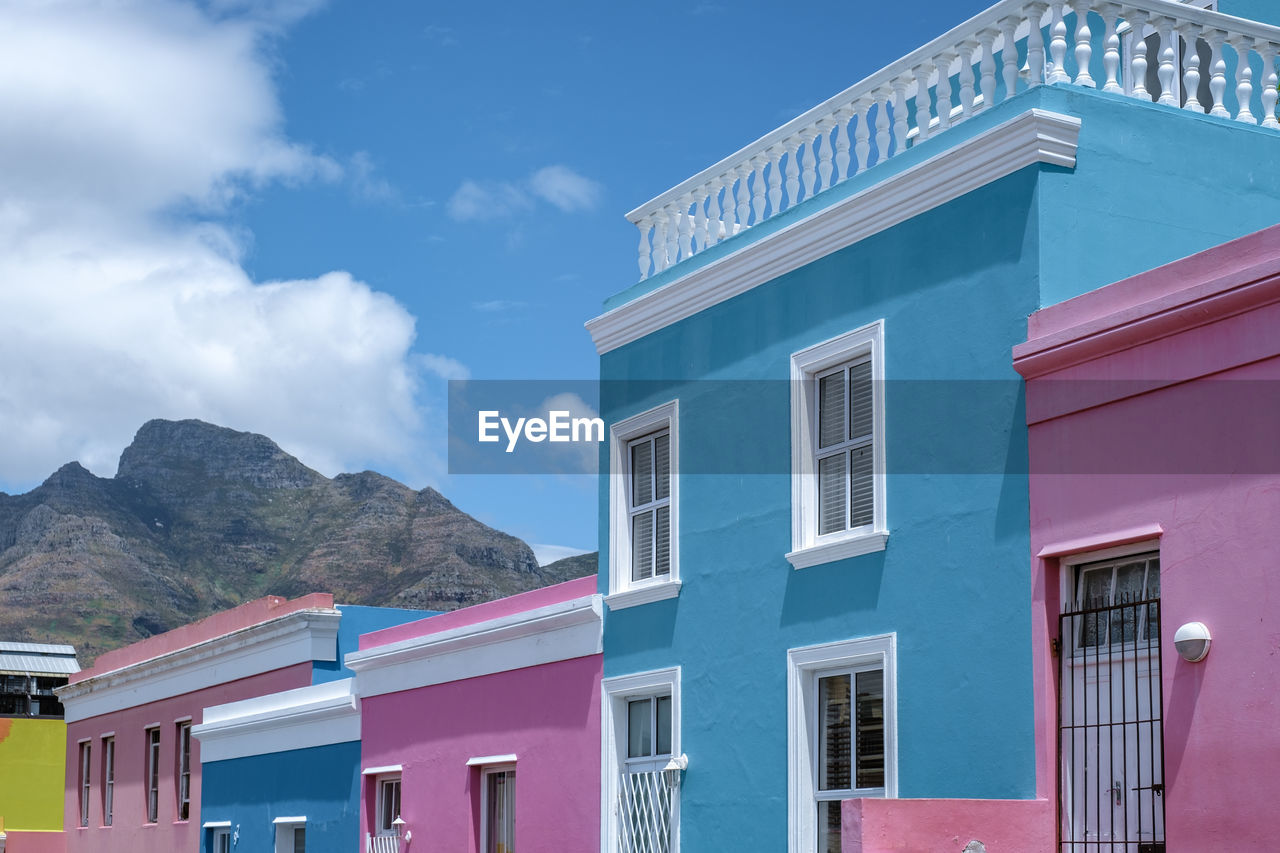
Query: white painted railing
[(382, 843), (644, 812), (967, 70)]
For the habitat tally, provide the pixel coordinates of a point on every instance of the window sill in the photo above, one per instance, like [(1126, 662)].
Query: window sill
[(829, 552), (643, 595)]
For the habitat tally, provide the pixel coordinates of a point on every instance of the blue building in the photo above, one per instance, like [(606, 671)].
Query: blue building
[(814, 539), (281, 772)]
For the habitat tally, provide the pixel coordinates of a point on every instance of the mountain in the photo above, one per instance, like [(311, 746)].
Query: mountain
[(199, 518)]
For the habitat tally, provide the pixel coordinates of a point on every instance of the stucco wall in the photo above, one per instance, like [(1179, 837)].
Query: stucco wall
[(548, 716)]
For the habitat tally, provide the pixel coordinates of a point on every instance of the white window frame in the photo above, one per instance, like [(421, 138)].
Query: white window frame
[(804, 666), (183, 777), (284, 828), (108, 779), (623, 592), (1069, 567), (218, 833), (152, 765), (614, 694), (486, 771), (808, 548), (86, 781), (378, 782)]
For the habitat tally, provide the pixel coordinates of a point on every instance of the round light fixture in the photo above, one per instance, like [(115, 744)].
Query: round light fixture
[(1192, 641)]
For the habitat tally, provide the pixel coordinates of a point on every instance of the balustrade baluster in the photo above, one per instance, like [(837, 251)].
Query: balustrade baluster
[(842, 143), (743, 196), (1138, 64), (757, 190), (1058, 44), (699, 222), (775, 179), (793, 170), (966, 78), (824, 153), (862, 147), (900, 123), (1035, 44), (882, 128), (660, 243), (1111, 48), (987, 65), (809, 160), (1084, 45), (684, 229), (922, 111), (1168, 63), (1244, 79), (943, 89), (1267, 51), (715, 214), (1218, 77), (1009, 56), (645, 226), (1191, 67)]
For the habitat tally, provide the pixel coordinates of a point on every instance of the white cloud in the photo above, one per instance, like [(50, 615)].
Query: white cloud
[(559, 186), (112, 311), (547, 554), (366, 183), (443, 366), (565, 188), (498, 305)]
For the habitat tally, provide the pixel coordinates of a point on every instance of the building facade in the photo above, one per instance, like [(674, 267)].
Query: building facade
[(814, 534), (1155, 490), (481, 729)]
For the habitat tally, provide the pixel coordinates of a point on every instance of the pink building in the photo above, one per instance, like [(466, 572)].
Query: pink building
[(1154, 413), (132, 769), (482, 725)]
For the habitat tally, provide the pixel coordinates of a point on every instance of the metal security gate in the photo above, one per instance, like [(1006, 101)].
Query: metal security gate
[(1110, 736)]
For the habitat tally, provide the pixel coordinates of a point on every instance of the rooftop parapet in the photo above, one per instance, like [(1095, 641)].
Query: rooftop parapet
[(1186, 57)]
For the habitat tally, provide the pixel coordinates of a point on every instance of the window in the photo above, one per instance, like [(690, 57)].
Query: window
[(153, 775), (841, 742), (837, 448), (498, 810), (291, 834), (84, 783), (184, 770), (1117, 599), (640, 802), (388, 806), (108, 779), (644, 508), (220, 840)]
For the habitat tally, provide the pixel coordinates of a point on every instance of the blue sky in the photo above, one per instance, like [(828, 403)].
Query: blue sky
[(300, 218)]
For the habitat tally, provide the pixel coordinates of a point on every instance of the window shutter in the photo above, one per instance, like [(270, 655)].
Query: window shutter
[(642, 546), (831, 398), (862, 487), (662, 548), (831, 494), (861, 420), (641, 473), (662, 461)]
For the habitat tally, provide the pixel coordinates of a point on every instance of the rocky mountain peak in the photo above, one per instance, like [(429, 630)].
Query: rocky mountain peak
[(162, 450)]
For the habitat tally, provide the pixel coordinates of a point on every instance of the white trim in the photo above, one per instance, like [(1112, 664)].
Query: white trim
[(317, 715), (185, 719), (807, 547), (556, 632), (302, 819), (485, 773), (1035, 136), (1097, 542), (643, 594), (802, 664), (622, 591), (483, 760), (216, 824), (614, 693), (107, 735), (300, 637), (382, 771), (1068, 563)]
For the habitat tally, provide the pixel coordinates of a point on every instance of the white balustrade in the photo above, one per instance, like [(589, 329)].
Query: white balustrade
[(1017, 43)]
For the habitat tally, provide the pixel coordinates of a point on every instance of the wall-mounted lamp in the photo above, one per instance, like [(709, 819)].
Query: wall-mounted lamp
[(671, 773), (400, 825), (1192, 641)]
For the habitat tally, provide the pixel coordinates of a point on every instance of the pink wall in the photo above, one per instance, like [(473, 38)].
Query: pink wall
[(477, 613), (1195, 461), (217, 625), (129, 832), (35, 842), (548, 716), (924, 826)]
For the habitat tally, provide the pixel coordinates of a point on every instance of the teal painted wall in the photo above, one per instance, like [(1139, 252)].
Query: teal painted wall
[(357, 620), (320, 783), (954, 286)]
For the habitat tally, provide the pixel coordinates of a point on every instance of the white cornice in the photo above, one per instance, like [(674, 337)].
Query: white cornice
[(561, 631), (299, 637), (1035, 136), (317, 715)]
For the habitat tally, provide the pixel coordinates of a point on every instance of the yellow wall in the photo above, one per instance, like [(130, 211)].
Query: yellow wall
[(32, 764)]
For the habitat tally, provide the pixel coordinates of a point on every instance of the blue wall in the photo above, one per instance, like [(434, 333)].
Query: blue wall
[(357, 620), (320, 783), (954, 286)]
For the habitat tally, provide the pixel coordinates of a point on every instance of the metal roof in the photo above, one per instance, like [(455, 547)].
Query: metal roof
[(37, 659)]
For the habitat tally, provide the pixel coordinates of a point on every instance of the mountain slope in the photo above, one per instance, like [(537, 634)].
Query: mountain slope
[(200, 517)]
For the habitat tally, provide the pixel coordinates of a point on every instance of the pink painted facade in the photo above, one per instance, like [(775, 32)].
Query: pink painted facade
[(1154, 418), (545, 715), (262, 647), (35, 842), (874, 825)]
